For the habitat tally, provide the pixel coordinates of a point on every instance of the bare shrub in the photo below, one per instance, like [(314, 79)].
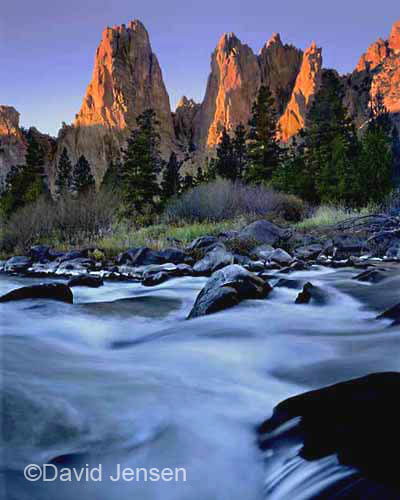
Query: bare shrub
[(70, 220), (223, 199)]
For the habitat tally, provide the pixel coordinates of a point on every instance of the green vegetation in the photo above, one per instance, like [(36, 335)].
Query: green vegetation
[(141, 164), (82, 178)]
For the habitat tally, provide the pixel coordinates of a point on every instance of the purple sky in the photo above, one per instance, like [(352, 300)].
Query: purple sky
[(47, 47)]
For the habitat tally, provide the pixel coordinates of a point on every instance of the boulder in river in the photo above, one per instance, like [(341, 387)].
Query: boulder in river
[(263, 231), (312, 293), (281, 257), (173, 255), (357, 421), (308, 251), (373, 275), (212, 261), (39, 253), (142, 256), (18, 264), (86, 280), (52, 291), (226, 288), (150, 279)]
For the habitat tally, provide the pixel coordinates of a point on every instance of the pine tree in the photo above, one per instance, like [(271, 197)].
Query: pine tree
[(224, 162), (24, 184), (376, 166), (112, 178), (171, 179), (141, 164), (64, 173), (82, 178), (240, 155), (264, 151)]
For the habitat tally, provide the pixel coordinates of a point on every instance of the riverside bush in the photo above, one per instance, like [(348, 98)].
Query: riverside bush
[(224, 199)]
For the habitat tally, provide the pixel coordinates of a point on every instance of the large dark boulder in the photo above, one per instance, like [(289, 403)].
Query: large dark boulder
[(86, 280), (153, 279), (263, 231), (313, 294), (373, 275), (308, 251), (18, 264), (357, 421), (212, 261), (346, 246), (142, 256), (173, 255), (51, 291), (226, 288), (39, 253)]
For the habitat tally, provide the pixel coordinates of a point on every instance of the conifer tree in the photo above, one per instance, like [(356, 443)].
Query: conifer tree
[(171, 179), (112, 178), (200, 177), (224, 164), (64, 173), (82, 178), (141, 164), (264, 151), (240, 156)]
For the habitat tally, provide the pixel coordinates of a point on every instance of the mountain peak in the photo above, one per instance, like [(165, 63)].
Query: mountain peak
[(394, 39)]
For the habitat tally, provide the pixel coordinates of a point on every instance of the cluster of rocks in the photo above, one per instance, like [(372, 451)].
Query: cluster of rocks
[(237, 271)]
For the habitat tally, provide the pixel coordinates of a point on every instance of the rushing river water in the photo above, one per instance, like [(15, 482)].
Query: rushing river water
[(120, 377)]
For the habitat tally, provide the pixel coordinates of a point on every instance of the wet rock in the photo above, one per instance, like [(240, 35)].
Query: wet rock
[(298, 265), (17, 264), (347, 246), (258, 266), (311, 293), (212, 261), (141, 256), (226, 288), (308, 251), (373, 275), (202, 242), (292, 284), (156, 279), (73, 255), (52, 291), (242, 260), (356, 421), (393, 313), (183, 270), (263, 231), (281, 257), (80, 265), (86, 280), (173, 255), (39, 252), (262, 252)]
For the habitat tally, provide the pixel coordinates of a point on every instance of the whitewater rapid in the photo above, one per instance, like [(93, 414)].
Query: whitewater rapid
[(109, 380)]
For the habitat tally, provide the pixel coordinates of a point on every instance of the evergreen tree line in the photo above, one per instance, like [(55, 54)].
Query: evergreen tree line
[(25, 184), (328, 162)]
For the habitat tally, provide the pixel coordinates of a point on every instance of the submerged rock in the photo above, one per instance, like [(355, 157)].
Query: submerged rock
[(372, 275), (52, 291), (312, 293), (226, 288), (86, 280)]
